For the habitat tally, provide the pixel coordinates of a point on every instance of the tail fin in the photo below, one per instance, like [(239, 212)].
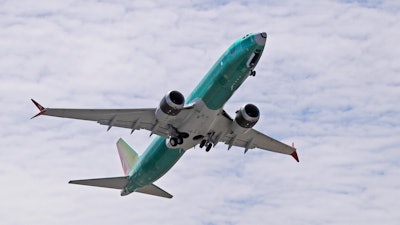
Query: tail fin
[(127, 155)]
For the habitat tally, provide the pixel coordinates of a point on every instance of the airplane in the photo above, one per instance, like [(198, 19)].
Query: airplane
[(180, 125)]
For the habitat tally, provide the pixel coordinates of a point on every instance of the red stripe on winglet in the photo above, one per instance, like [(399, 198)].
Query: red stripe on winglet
[(40, 107), (294, 154)]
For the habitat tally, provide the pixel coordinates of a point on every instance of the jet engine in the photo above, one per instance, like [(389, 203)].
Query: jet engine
[(170, 106), (246, 117)]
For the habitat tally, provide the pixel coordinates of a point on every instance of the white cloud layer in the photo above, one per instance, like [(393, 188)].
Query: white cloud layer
[(328, 80)]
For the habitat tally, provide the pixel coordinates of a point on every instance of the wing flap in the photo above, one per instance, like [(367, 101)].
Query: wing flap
[(104, 116)]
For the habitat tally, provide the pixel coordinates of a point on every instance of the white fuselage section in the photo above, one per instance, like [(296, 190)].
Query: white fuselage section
[(198, 123)]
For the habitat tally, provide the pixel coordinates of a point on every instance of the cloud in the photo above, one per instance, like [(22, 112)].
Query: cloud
[(328, 80)]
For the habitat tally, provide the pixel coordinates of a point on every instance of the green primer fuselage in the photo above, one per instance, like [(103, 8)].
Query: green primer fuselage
[(215, 89)]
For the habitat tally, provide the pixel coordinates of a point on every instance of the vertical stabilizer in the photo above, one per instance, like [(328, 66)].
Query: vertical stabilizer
[(127, 155)]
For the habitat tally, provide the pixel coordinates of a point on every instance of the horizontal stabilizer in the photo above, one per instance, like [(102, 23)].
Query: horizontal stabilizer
[(152, 189), (111, 182)]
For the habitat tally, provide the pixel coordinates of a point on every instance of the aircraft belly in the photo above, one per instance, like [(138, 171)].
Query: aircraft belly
[(200, 123), (208, 99), (158, 158)]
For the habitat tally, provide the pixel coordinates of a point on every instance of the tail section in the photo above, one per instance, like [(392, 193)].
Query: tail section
[(110, 182), (120, 183), (152, 189), (127, 155), (129, 158)]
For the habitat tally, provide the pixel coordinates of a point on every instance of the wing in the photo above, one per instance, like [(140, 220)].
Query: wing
[(133, 119), (250, 139)]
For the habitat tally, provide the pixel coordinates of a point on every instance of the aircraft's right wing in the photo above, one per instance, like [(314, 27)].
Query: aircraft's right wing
[(255, 139), (250, 139), (133, 119)]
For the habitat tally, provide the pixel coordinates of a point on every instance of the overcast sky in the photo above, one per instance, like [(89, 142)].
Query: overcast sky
[(328, 80)]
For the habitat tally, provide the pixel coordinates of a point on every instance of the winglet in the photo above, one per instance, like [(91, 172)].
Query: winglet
[(294, 154), (40, 107)]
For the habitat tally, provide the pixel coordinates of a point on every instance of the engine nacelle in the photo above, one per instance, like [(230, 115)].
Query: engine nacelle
[(170, 106), (246, 117)]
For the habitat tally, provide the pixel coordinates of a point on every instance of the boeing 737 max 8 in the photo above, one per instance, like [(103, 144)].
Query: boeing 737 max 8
[(180, 125)]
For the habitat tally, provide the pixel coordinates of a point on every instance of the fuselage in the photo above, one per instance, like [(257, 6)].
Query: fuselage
[(208, 98)]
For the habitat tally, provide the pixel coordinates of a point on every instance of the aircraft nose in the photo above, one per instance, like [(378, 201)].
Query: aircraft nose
[(260, 38)]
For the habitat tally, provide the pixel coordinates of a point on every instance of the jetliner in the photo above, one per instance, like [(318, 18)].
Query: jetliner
[(181, 125)]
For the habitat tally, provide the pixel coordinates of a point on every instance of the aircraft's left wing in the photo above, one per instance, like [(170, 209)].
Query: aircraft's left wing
[(133, 119), (250, 139)]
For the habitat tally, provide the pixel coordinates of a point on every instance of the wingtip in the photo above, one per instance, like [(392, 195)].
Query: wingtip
[(294, 154), (40, 107)]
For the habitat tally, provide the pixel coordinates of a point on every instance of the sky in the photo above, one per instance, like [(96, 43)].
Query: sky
[(328, 81)]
